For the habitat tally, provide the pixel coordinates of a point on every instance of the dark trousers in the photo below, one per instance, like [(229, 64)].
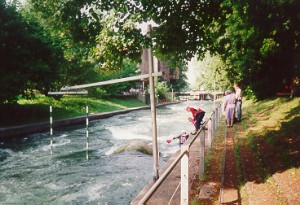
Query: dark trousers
[(199, 118), (239, 110)]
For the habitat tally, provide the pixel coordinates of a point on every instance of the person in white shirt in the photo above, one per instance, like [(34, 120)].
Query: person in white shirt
[(238, 96)]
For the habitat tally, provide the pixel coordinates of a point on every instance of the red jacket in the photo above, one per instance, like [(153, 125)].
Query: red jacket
[(194, 113)]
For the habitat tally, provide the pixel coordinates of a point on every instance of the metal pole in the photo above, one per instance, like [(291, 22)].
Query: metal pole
[(51, 129), (153, 113), (214, 95), (184, 189), (109, 82), (202, 153), (87, 130), (209, 132)]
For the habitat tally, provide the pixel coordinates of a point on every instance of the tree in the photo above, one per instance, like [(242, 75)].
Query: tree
[(259, 43), (30, 57), (211, 73), (253, 38)]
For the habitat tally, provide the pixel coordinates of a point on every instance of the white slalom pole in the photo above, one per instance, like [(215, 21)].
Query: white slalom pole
[(87, 130), (51, 128)]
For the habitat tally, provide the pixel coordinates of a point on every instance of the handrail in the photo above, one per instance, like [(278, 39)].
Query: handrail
[(184, 151), (162, 178)]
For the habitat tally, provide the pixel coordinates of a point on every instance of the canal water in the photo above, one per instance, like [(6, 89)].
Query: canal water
[(33, 173)]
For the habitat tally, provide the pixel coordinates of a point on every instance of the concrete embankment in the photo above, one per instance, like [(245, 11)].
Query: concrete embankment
[(16, 131)]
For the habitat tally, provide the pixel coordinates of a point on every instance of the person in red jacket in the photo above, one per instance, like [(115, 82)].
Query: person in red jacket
[(198, 116)]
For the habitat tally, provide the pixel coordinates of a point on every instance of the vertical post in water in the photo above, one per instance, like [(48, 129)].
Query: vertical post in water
[(153, 112), (87, 130), (172, 95), (51, 129)]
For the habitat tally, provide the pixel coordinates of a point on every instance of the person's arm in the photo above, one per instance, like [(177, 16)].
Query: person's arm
[(225, 103), (192, 121)]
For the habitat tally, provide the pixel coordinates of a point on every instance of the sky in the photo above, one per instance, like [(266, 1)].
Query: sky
[(190, 74)]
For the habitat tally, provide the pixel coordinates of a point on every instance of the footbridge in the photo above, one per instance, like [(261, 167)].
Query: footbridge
[(200, 95)]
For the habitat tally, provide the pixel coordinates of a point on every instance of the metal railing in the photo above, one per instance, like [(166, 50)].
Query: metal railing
[(183, 157)]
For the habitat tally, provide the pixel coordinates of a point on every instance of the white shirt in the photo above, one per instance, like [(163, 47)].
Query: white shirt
[(238, 94)]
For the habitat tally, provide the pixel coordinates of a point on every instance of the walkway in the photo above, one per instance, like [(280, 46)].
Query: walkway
[(242, 179), (229, 183), (169, 191), (233, 174)]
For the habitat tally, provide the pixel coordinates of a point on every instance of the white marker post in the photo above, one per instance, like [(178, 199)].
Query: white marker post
[(51, 129), (68, 92), (87, 130)]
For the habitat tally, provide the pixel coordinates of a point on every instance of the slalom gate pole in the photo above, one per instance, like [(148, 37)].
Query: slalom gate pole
[(51, 127), (87, 130)]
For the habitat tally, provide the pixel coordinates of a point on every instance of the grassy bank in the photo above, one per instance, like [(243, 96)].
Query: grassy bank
[(272, 131), (37, 110), (267, 151)]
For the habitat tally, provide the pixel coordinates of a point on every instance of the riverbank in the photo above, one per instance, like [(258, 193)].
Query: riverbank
[(264, 153), (21, 130), (37, 110)]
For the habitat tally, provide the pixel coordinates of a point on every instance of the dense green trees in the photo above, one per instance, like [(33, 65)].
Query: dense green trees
[(80, 41), (30, 58), (260, 42)]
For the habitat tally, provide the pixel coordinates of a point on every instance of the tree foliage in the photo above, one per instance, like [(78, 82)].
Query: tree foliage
[(257, 40), (260, 43), (30, 58), (211, 73)]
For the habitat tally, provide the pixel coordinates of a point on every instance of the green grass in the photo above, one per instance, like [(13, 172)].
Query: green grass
[(37, 110), (275, 123)]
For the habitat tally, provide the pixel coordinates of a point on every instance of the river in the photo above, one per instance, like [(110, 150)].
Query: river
[(33, 173)]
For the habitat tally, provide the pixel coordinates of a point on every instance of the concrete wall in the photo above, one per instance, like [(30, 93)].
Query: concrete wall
[(45, 126), (22, 130)]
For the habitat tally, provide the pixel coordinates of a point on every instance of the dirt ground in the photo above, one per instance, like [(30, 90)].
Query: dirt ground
[(258, 170)]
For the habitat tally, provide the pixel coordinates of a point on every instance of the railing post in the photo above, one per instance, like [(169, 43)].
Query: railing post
[(220, 112), (213, 126), (184, 187), (214, 120), (202, 152), (209, 133), (217, 116)]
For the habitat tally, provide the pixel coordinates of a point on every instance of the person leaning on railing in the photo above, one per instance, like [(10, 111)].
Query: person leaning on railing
[(198, 116)]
